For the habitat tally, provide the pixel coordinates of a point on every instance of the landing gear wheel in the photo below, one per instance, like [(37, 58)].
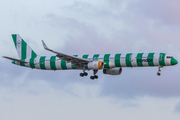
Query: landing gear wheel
[(96, 77), (159, 70), (92, 77), (85, 73), (81, 74), (158, 73)]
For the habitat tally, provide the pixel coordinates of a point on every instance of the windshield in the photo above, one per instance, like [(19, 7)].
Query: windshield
[(169, 57)]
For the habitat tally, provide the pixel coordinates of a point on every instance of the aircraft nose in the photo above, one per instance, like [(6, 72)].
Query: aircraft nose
[(174, 61)]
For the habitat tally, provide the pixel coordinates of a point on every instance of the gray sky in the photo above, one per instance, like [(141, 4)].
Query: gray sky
[(90, 26)]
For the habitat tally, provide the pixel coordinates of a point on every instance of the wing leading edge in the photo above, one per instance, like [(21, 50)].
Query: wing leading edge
[(77, 62)]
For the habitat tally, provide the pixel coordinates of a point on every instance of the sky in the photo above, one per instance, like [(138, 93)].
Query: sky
[(89, 27)]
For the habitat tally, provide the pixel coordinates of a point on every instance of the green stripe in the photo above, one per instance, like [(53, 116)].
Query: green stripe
[(85, 56), (73, 67), (117, 60), (53, 63), (42, 62), (31, 62), (106, 60), (174, 61), (150, 59), (63, 64), (14, 62), (23, 50), (139, 59), (22, 64), (14, 39), (95, 57), (128, 60), (33, 54), (162, 59)]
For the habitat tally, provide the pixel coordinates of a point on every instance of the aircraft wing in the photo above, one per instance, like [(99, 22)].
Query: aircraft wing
[(77, 62), (14, 59)]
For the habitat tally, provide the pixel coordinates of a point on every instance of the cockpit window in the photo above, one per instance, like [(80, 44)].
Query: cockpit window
[(169, 57)]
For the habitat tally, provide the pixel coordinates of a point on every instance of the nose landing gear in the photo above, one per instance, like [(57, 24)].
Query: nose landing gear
[(158, 73), (159, 70)]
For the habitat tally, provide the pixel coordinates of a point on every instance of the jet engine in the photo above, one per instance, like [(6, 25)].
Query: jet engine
[(112, 71), (95, 65)]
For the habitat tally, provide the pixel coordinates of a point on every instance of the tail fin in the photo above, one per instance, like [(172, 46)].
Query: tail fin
[(23, 49)]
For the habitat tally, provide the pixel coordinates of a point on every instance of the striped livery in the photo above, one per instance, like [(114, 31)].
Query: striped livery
[(111, 60), (110, 63)]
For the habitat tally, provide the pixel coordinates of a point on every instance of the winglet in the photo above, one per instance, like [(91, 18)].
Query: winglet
[(44, 45)]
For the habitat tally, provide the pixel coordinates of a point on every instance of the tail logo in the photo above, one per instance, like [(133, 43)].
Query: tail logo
[(18, 43)]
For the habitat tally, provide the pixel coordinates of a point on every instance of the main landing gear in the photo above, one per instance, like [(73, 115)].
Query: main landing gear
[(91, 77), (83, 74), (95, 76), (159, 70)]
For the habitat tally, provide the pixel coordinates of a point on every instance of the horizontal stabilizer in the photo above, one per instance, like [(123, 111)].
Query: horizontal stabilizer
[(14, 59)]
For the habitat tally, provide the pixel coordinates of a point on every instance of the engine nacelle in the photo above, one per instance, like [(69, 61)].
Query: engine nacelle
[(95, 65), (113, 71)]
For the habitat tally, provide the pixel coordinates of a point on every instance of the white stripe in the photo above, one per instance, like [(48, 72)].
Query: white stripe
[(111, 61), (28, 52), (134, 60), (156, 59), (90, 56), (145, 55), (18, 63), (68, 65), (123, 60), (80, 56), (27, 64), (58, 64), (167, 61), (36, 62), (101, 57), (47, 63), (19, 45)]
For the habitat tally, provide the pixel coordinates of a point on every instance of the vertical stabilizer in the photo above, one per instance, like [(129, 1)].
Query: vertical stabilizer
[(23, 49)]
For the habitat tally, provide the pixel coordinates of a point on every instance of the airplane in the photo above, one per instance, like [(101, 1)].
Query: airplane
[(111, 64)]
